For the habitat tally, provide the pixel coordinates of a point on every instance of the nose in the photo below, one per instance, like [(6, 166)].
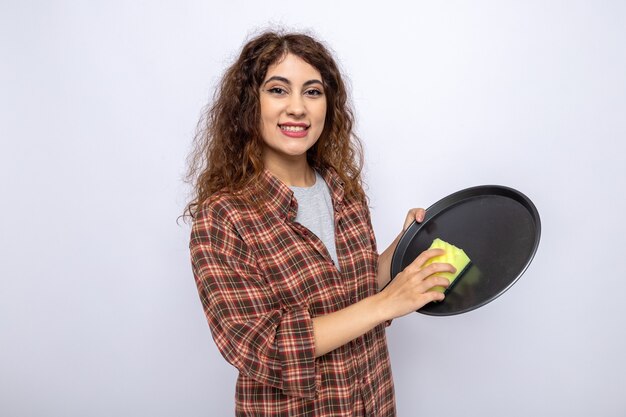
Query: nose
[(296, 106)]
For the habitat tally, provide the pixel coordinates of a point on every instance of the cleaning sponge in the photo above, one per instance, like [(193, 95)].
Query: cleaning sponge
[(454, 256)]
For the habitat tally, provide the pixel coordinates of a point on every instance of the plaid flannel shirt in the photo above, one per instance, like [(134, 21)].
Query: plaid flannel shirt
[(262, 277)]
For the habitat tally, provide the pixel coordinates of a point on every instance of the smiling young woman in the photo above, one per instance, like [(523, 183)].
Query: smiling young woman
[(282, 245)]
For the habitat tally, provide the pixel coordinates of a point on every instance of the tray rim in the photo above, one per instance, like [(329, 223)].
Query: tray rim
[(454, 199)]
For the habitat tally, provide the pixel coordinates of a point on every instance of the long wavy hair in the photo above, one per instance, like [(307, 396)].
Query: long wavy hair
[(226, 153)]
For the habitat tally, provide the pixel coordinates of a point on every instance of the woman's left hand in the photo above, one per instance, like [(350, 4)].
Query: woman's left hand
[(384, 261), (416, 214)]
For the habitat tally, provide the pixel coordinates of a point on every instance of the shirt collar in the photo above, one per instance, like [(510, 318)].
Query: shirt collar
[(281, 199), (335, 184)]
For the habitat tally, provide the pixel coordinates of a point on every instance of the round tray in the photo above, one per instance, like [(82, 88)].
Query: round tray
[(499, 229)]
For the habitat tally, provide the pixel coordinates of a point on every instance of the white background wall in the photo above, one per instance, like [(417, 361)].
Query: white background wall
[(99, 315)]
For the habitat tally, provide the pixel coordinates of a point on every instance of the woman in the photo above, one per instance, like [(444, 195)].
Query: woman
[(282, 247)]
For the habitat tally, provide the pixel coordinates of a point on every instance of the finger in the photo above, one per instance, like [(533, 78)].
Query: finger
[(435, 281), (420, 213), (430, 296), (415, 214), (425, 256), (435, 268)]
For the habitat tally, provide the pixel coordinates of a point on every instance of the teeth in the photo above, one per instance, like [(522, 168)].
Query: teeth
[(293, 128)]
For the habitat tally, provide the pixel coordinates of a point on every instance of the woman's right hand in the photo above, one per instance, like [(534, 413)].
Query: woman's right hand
[(410, 290)]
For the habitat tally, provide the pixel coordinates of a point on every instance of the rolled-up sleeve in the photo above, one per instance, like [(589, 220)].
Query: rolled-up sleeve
[(263, 339)]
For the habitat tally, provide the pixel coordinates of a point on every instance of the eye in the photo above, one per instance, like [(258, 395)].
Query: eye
[(314, 92), (277, 90)]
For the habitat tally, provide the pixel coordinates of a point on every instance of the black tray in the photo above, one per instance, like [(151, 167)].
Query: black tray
[(499, 229)]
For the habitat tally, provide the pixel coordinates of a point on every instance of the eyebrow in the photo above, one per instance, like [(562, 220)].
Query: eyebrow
[(286, 81)]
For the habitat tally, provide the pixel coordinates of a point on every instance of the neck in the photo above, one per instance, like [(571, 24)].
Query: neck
[(297, 173)]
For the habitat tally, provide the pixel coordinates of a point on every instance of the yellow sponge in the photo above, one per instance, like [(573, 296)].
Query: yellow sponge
[(454, 256)]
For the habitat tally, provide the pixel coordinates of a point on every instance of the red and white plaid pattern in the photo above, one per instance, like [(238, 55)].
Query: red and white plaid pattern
[(262, 277)]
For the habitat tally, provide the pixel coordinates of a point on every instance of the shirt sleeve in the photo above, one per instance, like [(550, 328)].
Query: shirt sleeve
[(269, 343)]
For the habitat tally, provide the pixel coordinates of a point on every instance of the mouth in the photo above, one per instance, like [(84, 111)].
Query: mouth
[(293, 127)]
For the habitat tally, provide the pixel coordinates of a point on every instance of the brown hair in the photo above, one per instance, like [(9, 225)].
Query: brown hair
[(228, 142)]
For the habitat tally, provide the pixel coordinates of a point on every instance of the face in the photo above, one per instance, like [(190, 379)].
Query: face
[(293, 110)]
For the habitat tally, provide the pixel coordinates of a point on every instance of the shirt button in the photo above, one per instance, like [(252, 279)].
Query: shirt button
[(358, 341)]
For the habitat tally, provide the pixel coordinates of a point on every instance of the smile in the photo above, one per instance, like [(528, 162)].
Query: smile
[(290, 128)]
